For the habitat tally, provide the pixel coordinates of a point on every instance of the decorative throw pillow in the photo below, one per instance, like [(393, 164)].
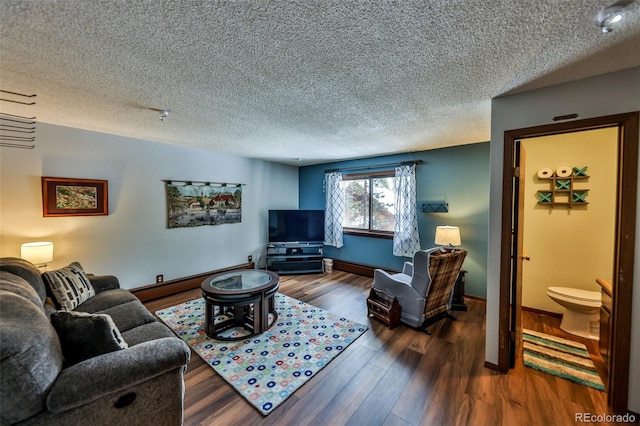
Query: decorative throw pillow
[(69, 286), (83, 336)]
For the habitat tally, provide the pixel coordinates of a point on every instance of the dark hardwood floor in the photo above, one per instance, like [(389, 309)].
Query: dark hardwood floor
[(396, 377)]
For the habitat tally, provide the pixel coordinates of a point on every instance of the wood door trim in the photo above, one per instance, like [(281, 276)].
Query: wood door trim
[(625, 257), (625, 240)]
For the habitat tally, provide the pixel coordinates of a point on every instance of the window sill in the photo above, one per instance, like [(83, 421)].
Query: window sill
[(365, 233)]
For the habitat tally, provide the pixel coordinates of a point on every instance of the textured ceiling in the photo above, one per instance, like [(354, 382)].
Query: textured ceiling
[(285, 80)]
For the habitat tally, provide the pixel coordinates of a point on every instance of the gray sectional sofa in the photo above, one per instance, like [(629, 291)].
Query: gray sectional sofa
[(106, 361)]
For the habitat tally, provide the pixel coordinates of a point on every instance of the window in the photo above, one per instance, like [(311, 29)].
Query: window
[(369, 204)]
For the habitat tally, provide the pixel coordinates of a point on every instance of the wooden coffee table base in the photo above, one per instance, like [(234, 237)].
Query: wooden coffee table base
[(249, 311)]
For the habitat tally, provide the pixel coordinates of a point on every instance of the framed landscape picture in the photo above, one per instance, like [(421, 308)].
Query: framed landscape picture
[(74, 197)]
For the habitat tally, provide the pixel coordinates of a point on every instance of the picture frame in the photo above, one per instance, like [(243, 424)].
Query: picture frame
[(74, 197)]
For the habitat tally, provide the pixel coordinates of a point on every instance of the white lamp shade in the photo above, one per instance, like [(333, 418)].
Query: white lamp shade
[(38, 253), (448, 235)]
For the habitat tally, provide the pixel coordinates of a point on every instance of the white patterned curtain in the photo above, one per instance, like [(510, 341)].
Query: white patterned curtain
[(406, 240), (334, 209)]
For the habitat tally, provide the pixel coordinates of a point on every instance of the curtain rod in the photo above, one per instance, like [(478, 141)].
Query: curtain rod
[(375, 166), (191, 182)]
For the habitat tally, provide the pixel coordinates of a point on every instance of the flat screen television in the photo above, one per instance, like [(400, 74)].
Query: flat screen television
[(288, 226)]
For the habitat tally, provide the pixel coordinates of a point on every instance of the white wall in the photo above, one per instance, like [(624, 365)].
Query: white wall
[(133, 241), (569, 246), (608, 94)]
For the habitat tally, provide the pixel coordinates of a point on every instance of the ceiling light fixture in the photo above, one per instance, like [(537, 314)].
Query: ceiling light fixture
[(609, 17), (164, 114)]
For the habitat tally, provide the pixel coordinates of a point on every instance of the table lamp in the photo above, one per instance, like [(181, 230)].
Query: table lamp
[(448, 236), (39, 253)]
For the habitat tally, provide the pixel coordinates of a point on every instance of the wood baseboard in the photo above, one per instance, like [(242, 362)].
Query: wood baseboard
[(478, 298), (358, 268), (541, 312), (492, 366), (168, 288), (178, 285)]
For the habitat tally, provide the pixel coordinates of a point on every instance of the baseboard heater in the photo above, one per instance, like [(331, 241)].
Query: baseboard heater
[(358, 268)]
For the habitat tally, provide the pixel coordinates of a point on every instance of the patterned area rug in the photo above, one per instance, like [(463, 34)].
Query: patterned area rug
[(268, 368), (560, 357)]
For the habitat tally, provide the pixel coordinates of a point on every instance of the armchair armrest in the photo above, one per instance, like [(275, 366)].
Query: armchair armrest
[(407, 268), (380, 276), (106, 374), (397, 285), (103, 282)]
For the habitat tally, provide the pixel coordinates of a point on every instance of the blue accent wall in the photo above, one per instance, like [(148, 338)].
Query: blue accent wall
[(458, 175)]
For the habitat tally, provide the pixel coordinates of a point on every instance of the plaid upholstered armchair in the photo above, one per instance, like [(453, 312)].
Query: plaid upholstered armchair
[(425, 287)]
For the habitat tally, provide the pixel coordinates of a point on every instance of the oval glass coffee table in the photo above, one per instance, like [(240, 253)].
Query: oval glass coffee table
[(242, 298)]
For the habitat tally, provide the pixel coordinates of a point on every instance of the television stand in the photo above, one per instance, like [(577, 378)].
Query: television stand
[(295, 258)]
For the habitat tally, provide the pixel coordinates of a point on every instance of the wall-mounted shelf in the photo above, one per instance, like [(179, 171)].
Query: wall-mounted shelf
[(435, 207), (562, 191)]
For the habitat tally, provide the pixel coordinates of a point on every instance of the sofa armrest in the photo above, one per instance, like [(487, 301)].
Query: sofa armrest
[(106, 374), (103, 282)]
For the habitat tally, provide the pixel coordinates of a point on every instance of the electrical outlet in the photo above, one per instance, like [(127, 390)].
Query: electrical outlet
[(250, 258), (159, 278)]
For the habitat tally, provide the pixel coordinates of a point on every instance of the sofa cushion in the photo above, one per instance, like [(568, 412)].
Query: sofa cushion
[(85, 336), (31, 358), (105, 300), (129, 315), (27, 271), (69, 286)]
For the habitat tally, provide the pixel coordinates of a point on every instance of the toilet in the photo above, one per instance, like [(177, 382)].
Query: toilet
[(581, 310)]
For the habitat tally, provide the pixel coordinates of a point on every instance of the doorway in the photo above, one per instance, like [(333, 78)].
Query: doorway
[(625, 219), (567, 243)]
